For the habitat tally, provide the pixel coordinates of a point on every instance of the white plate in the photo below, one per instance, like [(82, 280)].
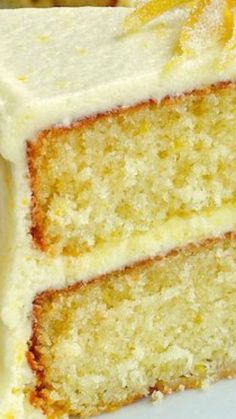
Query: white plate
[(217, 402)]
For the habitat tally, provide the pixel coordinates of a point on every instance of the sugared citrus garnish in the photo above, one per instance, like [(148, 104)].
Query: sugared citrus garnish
[(149, 11), (228, 20), (193, 18), (207, 21), (229, 51)]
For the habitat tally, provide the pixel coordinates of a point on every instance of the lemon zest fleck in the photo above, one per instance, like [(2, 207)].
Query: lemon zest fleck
[(43, 38), (22, 78)]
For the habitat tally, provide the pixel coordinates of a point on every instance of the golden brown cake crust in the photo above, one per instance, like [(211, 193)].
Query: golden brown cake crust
[(34, 147), (38, 397)]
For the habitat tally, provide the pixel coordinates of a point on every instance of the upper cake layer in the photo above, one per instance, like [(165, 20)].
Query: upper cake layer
[(120, 177), (93, 70)]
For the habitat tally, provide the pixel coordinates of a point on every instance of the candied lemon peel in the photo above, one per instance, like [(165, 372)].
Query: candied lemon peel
[(145, 12), (224, 26)]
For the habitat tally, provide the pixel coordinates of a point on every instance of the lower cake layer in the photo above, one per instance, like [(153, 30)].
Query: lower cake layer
[(161, 324)]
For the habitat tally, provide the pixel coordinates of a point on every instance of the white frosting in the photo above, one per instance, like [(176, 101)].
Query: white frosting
[(58, 66)]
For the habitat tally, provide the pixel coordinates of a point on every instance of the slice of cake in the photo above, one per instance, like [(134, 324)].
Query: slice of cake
[(118, 204)]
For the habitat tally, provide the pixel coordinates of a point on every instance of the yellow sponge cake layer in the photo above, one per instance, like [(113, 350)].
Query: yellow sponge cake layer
[(167, 322), (119, 175)]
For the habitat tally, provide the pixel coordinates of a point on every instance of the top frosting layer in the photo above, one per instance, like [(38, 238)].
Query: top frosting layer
[(60, 65)]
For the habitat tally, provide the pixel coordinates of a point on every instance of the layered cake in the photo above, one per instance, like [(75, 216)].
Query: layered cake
[(118, 204)]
